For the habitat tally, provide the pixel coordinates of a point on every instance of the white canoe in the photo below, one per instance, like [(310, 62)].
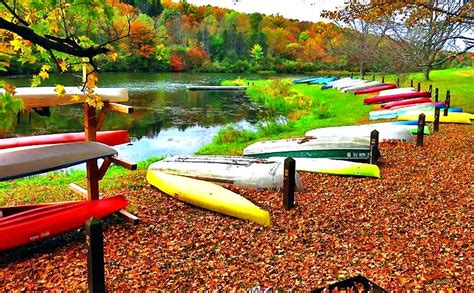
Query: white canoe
[(37, 97), (360, 83), (396, 91), (340, 148), (348, 83), (240, 171), (339, 81), (386, 132), (363, 86), (334, 167)]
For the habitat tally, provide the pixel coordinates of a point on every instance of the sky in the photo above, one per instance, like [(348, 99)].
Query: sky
[(309, 10)]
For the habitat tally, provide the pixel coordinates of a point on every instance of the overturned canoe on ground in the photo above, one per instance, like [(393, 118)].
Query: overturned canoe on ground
[(305, 79), (394, 91), (375, 89), (355, 149), (412, 128), (386, 132), (323, 80), (37, 97), (406, 102), (110, 138), (395, 97), (19, 225), (334, 167), (345, 87), (240, 171), (362, 86), (453, 117), (208, 196), (348, 84), (17, 162), (330, 84), (394, 112)]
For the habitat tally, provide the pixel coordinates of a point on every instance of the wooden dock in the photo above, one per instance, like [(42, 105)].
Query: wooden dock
[(215, 88)]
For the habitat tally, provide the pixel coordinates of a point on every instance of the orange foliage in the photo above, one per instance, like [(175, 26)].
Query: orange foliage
[(176, 63)]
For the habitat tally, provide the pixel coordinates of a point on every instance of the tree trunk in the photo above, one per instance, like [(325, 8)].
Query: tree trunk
[(426, 73), (362, 69)]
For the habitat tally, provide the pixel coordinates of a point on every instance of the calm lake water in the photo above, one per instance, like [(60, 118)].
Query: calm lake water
[(167, 120)]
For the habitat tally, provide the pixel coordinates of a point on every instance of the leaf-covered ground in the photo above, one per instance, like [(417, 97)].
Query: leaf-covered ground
[(410, 229)]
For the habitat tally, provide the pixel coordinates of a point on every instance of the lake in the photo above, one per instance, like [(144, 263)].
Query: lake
[(168, 119)]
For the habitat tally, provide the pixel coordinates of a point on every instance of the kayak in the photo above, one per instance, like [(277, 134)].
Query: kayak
[(110, 138), (412, 128), (402, 90), (375, 89), (208, 196), (17, 162), (330, 84), (386, 132), (37, 97), (345, 87), (348, 83), (323, 80), (37, 222), (453, 117), (240, 171), (413, 101), (340, 148), (334, 167), (394, 112), (395, 97), (363, 86), (305, 79)]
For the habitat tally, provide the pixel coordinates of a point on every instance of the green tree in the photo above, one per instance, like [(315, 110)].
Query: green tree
[(256, 53)]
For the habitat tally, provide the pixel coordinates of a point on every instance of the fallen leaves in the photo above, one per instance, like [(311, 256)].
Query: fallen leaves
[(411, 229)]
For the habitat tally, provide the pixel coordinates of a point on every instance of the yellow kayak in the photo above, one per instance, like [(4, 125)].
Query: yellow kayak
[(453, 117), (208, 196)]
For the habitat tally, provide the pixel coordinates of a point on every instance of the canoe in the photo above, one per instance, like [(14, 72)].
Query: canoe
[(216, 88), (330, 84), (323, 80), (110, 138), (402, 90), (394, 112), (413, 101), (375, 89), (334, 167), (240, 171), (208, 196), (453, 117), (49, 220), (386, 132), (305, 79), (395, 97), (345, 87), (348, 83), (17, 162), (37, 97), (340, 148), (363, 86), (412, 128)]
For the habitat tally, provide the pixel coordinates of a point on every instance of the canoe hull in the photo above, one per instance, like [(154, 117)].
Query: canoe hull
[(406, 102), (395, 97), (208, 196), (375, 89), (39, 223), (386, 132)]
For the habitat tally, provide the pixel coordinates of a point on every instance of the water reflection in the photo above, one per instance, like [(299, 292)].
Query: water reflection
[(167, 119)]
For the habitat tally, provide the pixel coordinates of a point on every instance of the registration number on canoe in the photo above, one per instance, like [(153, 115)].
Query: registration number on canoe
[(357, 155)]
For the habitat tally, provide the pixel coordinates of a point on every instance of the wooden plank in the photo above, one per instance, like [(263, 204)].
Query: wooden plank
[(90, 130), (120, 162), (95, 255), (104, 167), (78, 190), (130, 218), (120, 108)]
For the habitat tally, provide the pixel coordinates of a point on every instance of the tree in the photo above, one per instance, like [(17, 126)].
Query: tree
[(423, 28), (256, 53)]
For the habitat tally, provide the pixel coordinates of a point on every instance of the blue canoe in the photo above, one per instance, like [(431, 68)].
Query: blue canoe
[(305, 80)]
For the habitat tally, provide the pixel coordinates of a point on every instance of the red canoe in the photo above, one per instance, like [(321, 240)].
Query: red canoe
[(106, 137), (396, 97), (406, 102), (41, 221), (375, 89)]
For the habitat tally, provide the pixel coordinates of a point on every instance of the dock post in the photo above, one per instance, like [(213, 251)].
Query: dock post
[(447, 102), (421, 130), (419, 87), (95, 255), (436, 120), (411, 83), (289, 183), (436, 94), (374, 147)]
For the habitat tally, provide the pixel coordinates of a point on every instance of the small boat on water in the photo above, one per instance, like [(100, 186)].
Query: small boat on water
[(110, 138), (363, 86), (386, 132), (394, 91), (208, 196), (38, 97), (334, 167), (375, 89), (240, 171), (406, 102), (20, 225), (341, 148), (394, 97)]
